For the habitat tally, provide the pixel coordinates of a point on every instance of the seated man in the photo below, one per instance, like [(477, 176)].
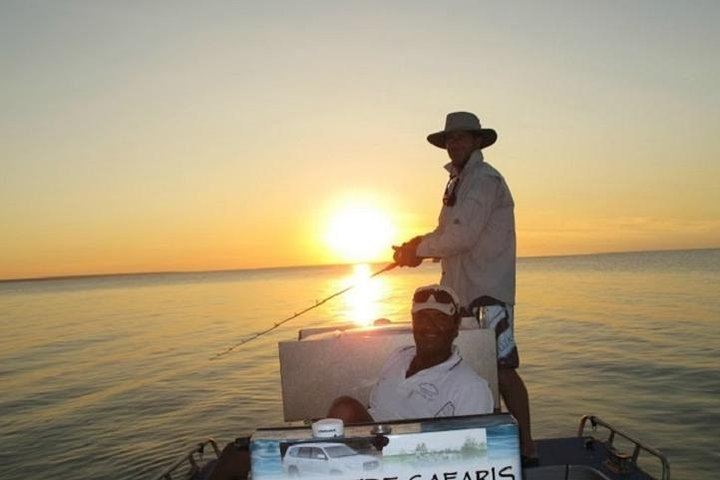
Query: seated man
[(429, 379)]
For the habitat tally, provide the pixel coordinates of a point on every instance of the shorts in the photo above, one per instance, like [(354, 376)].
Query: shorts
[(501, 319)]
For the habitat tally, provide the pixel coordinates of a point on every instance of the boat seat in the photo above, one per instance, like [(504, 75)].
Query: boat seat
[(323, 365)]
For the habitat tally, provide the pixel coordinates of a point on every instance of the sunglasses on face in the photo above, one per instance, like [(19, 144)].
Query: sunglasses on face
[(433, 318), (450, 195)]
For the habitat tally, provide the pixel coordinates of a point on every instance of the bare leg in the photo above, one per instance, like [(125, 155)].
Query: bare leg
[(514, 393), (349, 410)]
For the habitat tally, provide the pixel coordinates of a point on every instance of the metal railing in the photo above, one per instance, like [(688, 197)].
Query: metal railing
[(191, 459), (620, 458)]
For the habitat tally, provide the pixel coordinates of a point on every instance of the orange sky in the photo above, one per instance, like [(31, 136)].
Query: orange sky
[(164, 137)]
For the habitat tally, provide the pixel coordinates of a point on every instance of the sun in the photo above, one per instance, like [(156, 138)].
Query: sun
[(360, 232)]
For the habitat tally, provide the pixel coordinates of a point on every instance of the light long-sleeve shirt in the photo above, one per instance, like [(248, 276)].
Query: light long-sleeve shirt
[(475, 238)]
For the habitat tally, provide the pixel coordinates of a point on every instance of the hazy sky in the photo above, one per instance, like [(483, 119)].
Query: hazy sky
[(145, 136)]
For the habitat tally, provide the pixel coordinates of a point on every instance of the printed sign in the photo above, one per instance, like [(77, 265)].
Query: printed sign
[(481, 447)]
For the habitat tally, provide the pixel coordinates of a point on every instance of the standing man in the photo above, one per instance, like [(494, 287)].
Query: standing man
[(475, 240)]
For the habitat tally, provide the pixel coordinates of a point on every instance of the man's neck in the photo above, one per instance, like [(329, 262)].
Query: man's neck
[(460, 164), (423, 362)]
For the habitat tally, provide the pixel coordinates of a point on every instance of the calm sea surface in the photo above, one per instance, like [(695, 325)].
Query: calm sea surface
[(111, 377)]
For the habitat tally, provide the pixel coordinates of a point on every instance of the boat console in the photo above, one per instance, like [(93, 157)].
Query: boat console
[(478, 447)]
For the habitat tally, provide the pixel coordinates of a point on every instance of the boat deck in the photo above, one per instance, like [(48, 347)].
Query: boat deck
[(568, 458), (581, 458)]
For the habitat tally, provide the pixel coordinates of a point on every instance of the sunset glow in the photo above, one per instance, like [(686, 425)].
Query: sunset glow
[(362, 301), (152, 137), (359, 233)]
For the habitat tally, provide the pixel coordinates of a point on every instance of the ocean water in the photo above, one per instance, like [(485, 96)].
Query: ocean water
[(116, 377)]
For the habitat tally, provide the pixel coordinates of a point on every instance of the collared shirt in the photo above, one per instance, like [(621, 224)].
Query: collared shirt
[(450, 388), (475, 238)]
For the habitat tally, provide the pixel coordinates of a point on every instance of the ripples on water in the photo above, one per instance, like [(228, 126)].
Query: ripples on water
[(111, 377)]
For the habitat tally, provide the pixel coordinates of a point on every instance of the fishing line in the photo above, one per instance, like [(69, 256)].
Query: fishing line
[(295, 315)]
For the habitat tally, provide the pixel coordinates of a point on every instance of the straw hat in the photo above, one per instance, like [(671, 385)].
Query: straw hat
[(463, 122)]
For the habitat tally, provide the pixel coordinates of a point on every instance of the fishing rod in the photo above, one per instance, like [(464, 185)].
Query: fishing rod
[(386, 268)]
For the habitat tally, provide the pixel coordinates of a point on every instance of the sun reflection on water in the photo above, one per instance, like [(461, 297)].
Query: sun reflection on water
[(362, 302)]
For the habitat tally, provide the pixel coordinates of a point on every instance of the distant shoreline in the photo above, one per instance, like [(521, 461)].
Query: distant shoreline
[(293, 267)]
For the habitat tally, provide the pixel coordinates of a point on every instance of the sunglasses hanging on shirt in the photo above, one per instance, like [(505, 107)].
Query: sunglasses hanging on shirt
[(450, 195)]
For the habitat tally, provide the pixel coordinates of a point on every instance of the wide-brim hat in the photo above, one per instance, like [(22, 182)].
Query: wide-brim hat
[(463, 122)]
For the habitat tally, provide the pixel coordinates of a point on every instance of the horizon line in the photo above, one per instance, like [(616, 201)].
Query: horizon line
[(286, 267)]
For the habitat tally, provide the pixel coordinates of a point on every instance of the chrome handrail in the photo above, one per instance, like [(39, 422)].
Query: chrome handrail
[(189, 458), (595, 421)]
